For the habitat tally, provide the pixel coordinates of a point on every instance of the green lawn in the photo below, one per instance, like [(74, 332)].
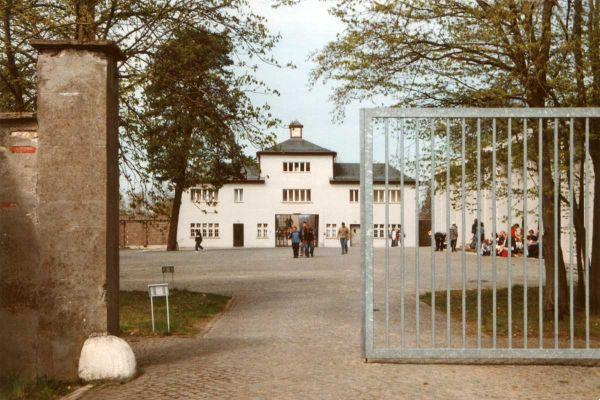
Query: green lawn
[(188, 310), (15, 389), (517, 312)]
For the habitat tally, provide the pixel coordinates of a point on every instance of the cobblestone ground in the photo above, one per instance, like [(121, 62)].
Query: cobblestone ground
[(294, 333)]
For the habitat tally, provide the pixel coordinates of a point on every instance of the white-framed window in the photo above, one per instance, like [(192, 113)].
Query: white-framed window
[(331, 231), (209, 230), (394, 195), (353, 195), (296, 195), (379, 196), (204, 195), (238, 195), (378, 231), (262, 231), (296, 166)]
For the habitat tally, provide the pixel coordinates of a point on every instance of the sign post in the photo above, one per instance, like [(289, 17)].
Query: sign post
[(159, 290)]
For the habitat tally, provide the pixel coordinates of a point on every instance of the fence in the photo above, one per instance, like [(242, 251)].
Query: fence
[(498, 166)]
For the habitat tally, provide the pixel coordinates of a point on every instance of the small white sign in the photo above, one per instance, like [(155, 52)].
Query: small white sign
[(159, 290)]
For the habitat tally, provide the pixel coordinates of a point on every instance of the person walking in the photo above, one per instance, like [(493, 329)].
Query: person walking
[(199, 240), (309, 241), (453, 236), (344, 235), (295, 237)]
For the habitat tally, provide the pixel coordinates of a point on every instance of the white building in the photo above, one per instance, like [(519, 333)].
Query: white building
[(298, 181)]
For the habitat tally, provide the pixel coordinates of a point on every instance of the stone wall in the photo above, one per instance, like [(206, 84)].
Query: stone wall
[(59, 213)]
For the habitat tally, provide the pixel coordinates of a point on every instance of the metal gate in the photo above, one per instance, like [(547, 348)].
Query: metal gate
[(502, 166)]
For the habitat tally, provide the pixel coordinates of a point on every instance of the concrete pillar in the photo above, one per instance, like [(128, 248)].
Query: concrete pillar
[(78, 202)]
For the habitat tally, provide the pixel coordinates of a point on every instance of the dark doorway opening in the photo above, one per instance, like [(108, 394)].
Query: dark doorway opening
[(238, 235)]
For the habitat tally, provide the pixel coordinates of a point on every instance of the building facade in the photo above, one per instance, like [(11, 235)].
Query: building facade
[(297, 181)]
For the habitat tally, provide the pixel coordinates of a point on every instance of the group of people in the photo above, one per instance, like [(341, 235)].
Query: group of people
[(303, 240), (518, 242), (396, 236)]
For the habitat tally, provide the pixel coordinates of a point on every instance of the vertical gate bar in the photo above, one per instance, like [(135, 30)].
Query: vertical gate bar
[(523, 239), (508, 236), (494, 236), (540, 237), (448, 247), (387, 236), (571, 316), (479, 233), (464, 254), (402, 254), (586, 230), (417, 283), (556, 189), (432, 253), (366, 173)]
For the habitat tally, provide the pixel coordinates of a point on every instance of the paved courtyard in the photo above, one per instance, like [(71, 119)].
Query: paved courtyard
[(294, 333)]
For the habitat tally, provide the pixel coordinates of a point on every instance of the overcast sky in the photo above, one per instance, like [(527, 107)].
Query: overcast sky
[(305, 28)]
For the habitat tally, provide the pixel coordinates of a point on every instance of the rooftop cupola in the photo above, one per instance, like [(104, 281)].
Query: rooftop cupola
[(296, 130)]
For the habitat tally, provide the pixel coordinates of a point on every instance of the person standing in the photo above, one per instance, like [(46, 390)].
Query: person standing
[(199, 240), (302, 231), (453, 236), (295, 237)]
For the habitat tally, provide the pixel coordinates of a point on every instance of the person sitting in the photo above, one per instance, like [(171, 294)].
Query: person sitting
[(533, 246), (486, 247), (501, 248)]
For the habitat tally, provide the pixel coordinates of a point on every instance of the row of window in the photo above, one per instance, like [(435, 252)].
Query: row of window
[(379, 230), (210, 230), (295, 166), (296, 195), (291, 195)]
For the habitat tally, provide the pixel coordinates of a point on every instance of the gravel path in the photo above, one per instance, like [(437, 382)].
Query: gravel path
[(294, 333)]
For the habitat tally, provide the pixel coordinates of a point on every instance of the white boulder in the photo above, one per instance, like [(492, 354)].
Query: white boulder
[(106, 357)]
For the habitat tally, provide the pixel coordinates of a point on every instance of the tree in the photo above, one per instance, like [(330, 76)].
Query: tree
[(197, 115), (478, 53)]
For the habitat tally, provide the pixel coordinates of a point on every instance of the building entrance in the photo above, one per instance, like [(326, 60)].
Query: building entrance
[(284, 223)]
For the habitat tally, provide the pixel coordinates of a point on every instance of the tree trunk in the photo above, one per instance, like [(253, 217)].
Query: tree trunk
[(174, 220), (85, 15), (548, 247)]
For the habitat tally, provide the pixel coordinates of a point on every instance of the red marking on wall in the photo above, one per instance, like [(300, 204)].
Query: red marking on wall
[(5, 205), (22, 149)]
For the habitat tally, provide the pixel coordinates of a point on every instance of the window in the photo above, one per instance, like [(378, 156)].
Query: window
[(296, 166), (261, 231), (296, 195), (203, 195), (238, 195), (353, 195), (394, 195), (331, 231), (378, 231), (209, 230)]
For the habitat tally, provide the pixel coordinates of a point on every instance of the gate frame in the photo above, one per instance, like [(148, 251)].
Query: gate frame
[(441, 355)]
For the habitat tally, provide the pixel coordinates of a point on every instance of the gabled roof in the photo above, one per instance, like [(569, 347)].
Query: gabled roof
[(297, 146), (350, 173)]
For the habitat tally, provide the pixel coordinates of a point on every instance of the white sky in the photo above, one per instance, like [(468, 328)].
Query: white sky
[(305, 28)]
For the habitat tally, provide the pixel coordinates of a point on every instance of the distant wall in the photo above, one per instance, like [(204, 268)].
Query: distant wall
[(142, 232)]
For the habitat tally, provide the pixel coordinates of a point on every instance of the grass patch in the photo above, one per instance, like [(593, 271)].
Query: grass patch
[(188, 310), (43, 389), (517, 313)]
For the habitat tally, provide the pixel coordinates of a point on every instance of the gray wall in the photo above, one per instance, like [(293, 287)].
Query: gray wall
[(66, 259)]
